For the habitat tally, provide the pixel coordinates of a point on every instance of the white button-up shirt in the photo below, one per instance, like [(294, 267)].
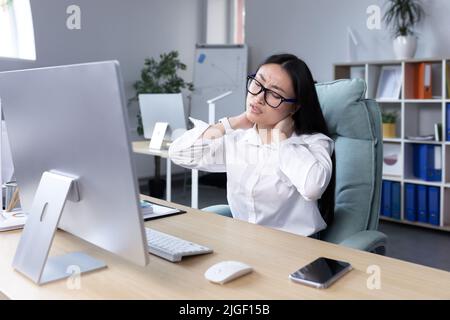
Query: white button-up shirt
[(275, 185)]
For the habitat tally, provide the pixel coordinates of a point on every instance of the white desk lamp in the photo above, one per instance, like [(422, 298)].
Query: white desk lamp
[(352, 43), (212, 106), (211, 120)]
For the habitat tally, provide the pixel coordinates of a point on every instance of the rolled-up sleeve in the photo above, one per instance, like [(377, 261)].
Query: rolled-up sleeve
[(194, 152), (306, 163)]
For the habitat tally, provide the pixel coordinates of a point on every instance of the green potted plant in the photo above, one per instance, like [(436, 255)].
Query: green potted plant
[(402, 16), (160, 77), (389, 120)]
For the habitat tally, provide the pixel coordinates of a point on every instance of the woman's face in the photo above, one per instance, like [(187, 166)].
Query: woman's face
[(274, 77)]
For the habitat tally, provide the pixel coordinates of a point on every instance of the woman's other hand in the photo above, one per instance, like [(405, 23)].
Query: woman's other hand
[(286, 127), (240, 122)]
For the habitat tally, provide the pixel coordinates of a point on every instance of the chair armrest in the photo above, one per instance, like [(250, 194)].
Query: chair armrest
[(369, 240), (221, 209)]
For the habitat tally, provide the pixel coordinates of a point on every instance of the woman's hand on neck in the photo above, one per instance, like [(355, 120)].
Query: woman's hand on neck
[(240, 122), (280, 131)]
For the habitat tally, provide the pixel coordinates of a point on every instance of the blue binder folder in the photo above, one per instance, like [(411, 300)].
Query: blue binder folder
[(422, 205), (382, 200), (426, 164), (418, 157), (386, 205), (410, 202), (447, 127), (395, 200), (433, 205)]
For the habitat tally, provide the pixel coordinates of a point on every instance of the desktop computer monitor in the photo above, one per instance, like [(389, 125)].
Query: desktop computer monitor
[(163, 107), (73, 120)]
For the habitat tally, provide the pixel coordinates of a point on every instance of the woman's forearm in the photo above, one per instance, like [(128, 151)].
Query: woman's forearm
[(214, 131), (218, 130)]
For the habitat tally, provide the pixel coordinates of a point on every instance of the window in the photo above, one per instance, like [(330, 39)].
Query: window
[(225, 21), (239, 21), (16, 30)]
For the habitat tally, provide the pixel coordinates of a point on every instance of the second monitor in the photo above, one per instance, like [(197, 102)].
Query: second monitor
[(163, 107)]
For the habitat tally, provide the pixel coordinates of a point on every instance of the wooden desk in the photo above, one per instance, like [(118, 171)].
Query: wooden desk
[(273, 254), (142, 148)]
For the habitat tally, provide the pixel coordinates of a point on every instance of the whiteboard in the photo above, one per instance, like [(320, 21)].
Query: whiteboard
[(218, 69)]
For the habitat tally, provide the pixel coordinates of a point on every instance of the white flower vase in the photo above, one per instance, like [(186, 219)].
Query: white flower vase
[(405, 47)]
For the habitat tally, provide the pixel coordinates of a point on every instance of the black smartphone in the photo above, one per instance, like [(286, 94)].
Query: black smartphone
[(321, 273)]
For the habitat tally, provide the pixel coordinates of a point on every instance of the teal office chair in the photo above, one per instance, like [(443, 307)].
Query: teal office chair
[(355, 126)]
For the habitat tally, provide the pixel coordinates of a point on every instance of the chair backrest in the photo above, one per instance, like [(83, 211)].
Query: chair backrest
[(355, 126)]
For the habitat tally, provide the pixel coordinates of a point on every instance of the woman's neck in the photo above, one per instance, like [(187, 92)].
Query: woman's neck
[(270, 134), (264, 127), (265, 133)]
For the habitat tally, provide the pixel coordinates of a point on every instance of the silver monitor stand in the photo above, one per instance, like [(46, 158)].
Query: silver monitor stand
[(31, 257)]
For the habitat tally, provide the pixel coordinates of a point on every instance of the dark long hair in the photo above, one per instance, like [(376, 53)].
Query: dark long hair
[(308, 119)]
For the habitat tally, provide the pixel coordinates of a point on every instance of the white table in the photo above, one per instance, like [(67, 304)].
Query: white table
[(141, 147)]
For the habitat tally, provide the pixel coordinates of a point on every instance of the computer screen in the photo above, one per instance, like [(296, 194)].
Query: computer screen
[(73, 119), (163, 107)]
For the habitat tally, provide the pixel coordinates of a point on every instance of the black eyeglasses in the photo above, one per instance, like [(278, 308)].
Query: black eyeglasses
[(272, 98)]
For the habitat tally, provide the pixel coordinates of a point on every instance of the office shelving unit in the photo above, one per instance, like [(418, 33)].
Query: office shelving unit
[(415, 117)]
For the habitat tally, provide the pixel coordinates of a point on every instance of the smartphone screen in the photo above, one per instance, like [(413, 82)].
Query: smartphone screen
[(321, 272)]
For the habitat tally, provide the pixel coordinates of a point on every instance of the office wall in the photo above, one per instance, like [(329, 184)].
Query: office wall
[(317, 31), (128, 31)]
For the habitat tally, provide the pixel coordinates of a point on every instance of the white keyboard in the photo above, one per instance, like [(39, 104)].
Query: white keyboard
[(172, 248)]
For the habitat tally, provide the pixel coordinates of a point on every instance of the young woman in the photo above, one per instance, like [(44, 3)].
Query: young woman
[(278, 155)]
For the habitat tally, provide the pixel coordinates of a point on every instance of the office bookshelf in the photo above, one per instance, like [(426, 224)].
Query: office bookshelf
[(415, 117)]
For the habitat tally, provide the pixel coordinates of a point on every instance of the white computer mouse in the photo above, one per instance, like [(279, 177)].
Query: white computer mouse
[(226, 271)]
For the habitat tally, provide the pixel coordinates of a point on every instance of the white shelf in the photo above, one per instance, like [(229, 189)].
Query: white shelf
[(411, 100), (423, 100), (426, 183), (392, 178), (424, 142), (416, 117), (383, 62), (417, 224), (388, 100)]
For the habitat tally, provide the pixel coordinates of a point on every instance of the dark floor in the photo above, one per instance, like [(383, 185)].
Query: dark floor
[(414, 244)]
